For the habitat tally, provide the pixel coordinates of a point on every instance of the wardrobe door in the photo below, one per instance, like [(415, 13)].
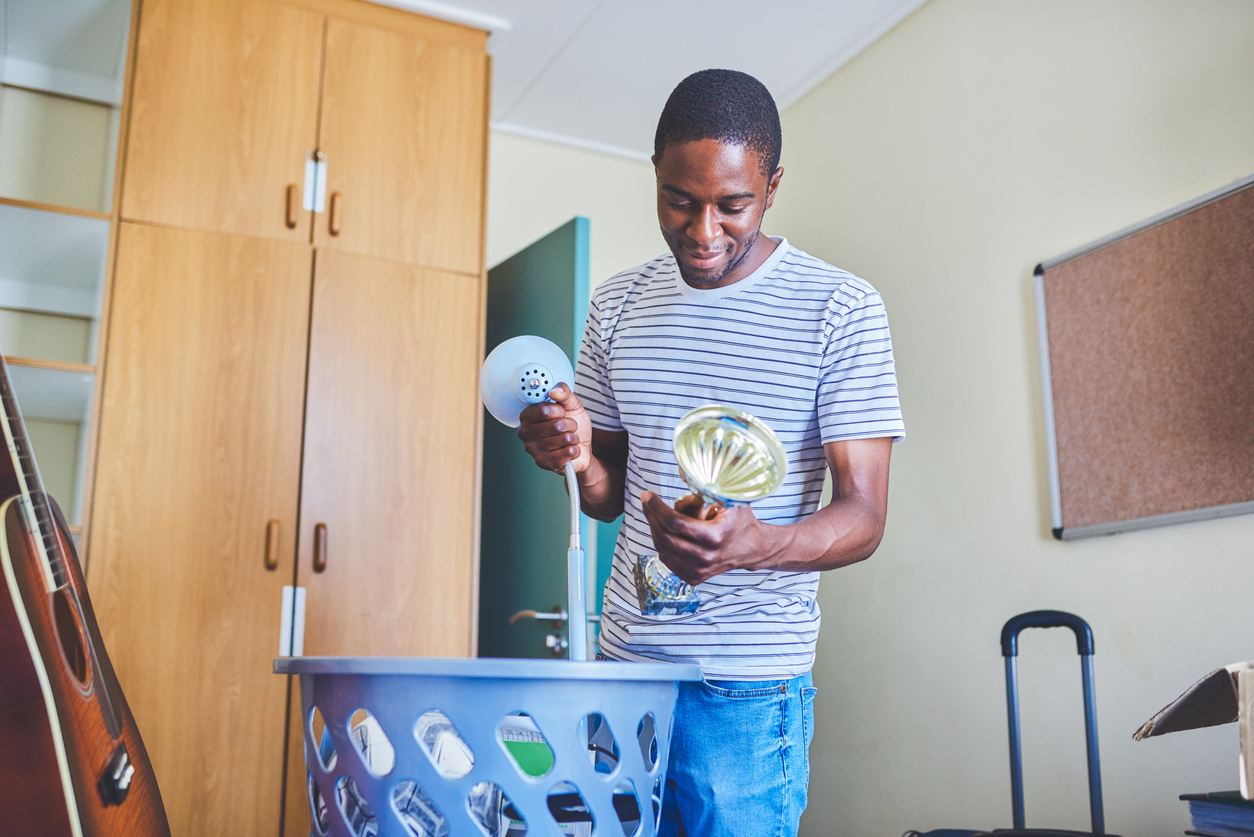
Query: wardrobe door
[(223, 112), (403, 130), (388, 490), (194, 529)]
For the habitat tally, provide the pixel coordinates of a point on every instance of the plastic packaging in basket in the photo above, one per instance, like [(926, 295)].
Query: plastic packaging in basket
[(438, 747)]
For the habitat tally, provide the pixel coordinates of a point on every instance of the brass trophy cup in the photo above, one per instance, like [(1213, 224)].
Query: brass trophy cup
[(728, 458)]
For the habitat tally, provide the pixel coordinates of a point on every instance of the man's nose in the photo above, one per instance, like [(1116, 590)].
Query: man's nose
[(705, 227)]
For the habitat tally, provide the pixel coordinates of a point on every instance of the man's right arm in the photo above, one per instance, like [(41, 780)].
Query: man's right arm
[(606, 476), (561, 431)]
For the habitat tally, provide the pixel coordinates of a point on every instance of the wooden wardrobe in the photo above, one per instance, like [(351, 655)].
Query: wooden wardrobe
[(290, 396)]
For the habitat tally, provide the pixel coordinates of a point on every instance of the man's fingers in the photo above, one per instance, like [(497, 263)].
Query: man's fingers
[(685, 545), (566, 455), (677, 524), (553, 460), (682, 557), (665, 515), (681, 571), (563, 401), (689, 505), (552, 429), (539, 413), (654, 506), (554, 444), (565, 397)]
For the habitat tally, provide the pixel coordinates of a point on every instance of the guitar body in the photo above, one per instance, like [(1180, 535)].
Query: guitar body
[(71, 760)]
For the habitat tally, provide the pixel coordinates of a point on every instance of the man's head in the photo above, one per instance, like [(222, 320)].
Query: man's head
[(716, 154), (731, 107)]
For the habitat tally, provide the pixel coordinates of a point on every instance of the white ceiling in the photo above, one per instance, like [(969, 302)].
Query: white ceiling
[(593, 73), (596, 73)]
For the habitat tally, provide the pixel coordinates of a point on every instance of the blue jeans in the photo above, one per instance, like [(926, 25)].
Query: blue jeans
[(739, 761)]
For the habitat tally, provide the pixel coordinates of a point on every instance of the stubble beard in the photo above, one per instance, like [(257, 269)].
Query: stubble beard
[(702, 281)]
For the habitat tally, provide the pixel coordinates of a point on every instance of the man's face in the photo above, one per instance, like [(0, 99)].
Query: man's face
[(710, 200)]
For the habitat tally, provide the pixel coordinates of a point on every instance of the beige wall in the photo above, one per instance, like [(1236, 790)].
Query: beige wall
[(976, 139), (56, 447), (45, 336), (54, 150), (535, 187)]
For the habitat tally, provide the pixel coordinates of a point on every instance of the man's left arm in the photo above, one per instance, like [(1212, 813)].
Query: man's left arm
[(844, 532)]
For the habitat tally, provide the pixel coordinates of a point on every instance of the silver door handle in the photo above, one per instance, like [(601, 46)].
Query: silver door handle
[(314, 195), (558, 616)]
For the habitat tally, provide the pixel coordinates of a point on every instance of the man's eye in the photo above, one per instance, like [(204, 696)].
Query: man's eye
[(734, 210), (680, 204)]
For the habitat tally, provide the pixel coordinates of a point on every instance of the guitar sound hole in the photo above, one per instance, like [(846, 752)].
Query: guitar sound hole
[(68, 634)]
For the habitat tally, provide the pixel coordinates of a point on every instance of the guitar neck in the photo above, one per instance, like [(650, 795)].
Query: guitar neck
[(19, 474)]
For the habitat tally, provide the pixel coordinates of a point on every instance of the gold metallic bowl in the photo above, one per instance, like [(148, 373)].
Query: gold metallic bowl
[(727, 456)]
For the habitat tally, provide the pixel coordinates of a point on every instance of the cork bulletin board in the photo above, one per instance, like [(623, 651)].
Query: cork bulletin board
[(1147, 350)]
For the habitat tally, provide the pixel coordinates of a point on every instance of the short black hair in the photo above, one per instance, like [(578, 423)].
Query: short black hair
[(724, 105)]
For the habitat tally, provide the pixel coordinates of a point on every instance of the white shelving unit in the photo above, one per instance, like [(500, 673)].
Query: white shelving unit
[(62, 70), (56, 404), (52, 263)]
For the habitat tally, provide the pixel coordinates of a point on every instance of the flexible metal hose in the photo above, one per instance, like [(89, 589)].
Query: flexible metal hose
[(576, 573), (572, 488)]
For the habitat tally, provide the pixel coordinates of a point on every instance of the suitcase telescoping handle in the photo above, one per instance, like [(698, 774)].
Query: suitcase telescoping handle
[(1084, 645)]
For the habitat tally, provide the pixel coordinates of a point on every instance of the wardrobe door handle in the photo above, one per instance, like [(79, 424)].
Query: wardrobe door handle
[(272, 545), (333, 217), (290, 215), (320, 548)]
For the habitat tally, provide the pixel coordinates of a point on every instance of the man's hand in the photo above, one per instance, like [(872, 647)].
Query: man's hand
[(845, 531), (697, 550), (561, 432), (557, 433)]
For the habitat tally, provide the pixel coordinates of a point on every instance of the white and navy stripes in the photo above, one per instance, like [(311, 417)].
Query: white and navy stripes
[(800, 344)]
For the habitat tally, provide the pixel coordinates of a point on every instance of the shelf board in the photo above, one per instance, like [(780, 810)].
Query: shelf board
[(51, 261), (52, 207), (52, 392), (14, 72), (75, 530), (57, 365)]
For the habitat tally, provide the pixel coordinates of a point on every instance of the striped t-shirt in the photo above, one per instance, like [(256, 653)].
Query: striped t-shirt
[(800, 344)]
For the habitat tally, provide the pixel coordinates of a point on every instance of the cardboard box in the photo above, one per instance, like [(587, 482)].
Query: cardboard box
[(1221, 697)]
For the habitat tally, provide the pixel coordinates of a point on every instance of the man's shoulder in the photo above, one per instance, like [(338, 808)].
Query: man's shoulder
[(805, 282), (613, 291), (810, 275)]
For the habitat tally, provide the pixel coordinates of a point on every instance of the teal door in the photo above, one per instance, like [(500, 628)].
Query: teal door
[(541, 290)]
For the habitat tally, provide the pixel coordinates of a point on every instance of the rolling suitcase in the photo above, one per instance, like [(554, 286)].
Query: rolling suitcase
[(1010, 650)]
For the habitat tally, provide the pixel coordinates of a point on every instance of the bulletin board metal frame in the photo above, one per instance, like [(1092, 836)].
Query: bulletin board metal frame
[(1088, 528)]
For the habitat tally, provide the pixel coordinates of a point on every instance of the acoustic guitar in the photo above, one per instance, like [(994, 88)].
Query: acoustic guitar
[(71, 760)]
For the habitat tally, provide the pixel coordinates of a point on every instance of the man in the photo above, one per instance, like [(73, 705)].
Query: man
[(733, 317)]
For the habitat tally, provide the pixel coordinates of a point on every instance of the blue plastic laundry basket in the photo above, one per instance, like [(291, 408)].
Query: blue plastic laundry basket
[(434, 747)]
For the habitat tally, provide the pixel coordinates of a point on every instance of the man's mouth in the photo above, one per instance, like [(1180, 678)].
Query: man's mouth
[(704, 262)]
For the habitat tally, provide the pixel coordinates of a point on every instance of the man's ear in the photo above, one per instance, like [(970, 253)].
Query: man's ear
[(655, 159), (772, 185)]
